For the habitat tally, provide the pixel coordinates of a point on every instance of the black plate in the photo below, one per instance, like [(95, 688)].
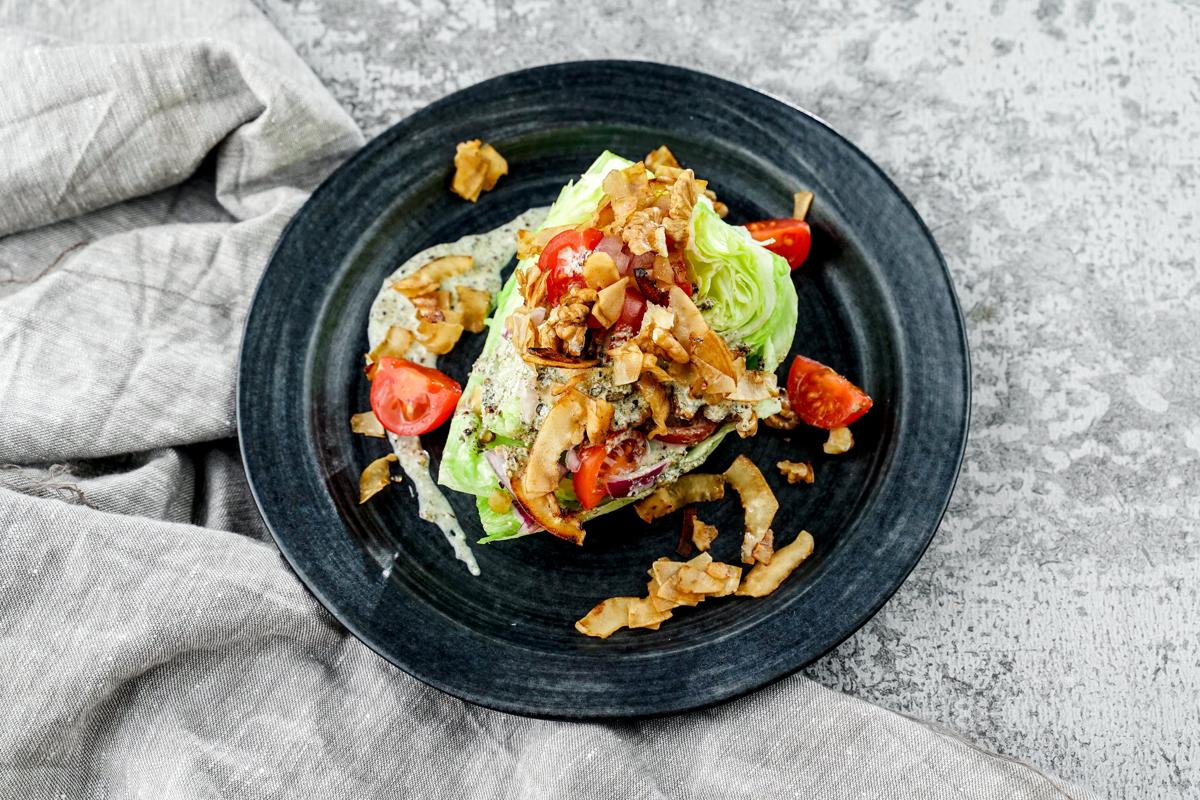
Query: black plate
[(876, 302)]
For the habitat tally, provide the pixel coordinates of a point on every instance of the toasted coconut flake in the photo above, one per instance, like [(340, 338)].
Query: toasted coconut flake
[(801, 203), (660, 403), (670, 346), (766, 578), (626, 363), (797, 471), (606, 618), (697, 581), (531, 244), (439, 338), (729, 575), (473, 305), (609, 303), (690, 326), (668, 586), (477, 167), (660, 157), (757, 500), (562, 429), (376, 477), (698, 487), (599, 270), (713, 350), (703, 534), (650, 367), (840, 441), (598, 419), (546, 512), (394, 344), (765, 548), (367, 424), (429, 277), (546, 357), (717, 385), (753, 386), (644, 614), (684, 193)]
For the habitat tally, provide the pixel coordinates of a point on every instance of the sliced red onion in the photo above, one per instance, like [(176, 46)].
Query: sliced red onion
[(634, 482), (495, 460), (616, 250), (537, 315), (572, 460)]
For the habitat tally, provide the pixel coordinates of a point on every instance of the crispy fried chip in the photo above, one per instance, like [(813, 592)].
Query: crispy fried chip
[(562, 429), (759, 503), (439, 338), (766, 578), (606, 618), (375, 478), (797, 471), (801, 203), (473, 305), (698, 487), (840, 441), (610, 302), (477, 167), (394, 344), (429, 277), (367, 424), (643, 613)]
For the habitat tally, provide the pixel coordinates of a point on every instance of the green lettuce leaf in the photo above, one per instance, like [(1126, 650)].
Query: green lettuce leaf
[(748, 289)]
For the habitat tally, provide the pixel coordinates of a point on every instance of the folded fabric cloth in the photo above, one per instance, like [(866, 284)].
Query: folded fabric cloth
[(152, 641)]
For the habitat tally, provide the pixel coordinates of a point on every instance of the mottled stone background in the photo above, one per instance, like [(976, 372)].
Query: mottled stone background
[(1053, 148)]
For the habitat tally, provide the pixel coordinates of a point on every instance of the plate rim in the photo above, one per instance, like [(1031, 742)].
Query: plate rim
[(530, 707)]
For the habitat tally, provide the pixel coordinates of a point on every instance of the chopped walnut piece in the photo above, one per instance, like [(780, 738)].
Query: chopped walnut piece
[(477, 167), (643, 232), (703, 534), (670, 346), (796, 471), (565, 327), (785, 419), (840, 441)]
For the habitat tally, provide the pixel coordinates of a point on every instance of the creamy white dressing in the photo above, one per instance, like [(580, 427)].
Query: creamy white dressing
[(491, 251)]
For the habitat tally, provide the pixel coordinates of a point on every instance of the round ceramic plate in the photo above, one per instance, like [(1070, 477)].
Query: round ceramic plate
[(876, 303)]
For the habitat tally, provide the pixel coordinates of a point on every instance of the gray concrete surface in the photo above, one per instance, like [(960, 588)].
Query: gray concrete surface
[(1052, 148)]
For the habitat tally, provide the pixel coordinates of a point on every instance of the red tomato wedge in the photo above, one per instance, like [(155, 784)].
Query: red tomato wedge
[(562, 259), (793, 238), (588, 486), (409, 399), (823, 398)]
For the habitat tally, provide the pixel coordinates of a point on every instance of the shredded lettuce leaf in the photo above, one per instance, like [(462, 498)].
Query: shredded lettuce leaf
[(751, 297)]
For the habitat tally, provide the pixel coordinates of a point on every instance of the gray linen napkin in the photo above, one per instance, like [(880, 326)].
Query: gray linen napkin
[(152, 644)]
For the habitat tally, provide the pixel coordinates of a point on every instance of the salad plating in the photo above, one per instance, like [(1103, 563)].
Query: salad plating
[(637, 331)]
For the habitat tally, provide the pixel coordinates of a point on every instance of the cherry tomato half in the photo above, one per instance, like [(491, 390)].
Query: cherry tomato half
[(823, 398), (562, 259), (409, 399), (793, 238), (588, 486)]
